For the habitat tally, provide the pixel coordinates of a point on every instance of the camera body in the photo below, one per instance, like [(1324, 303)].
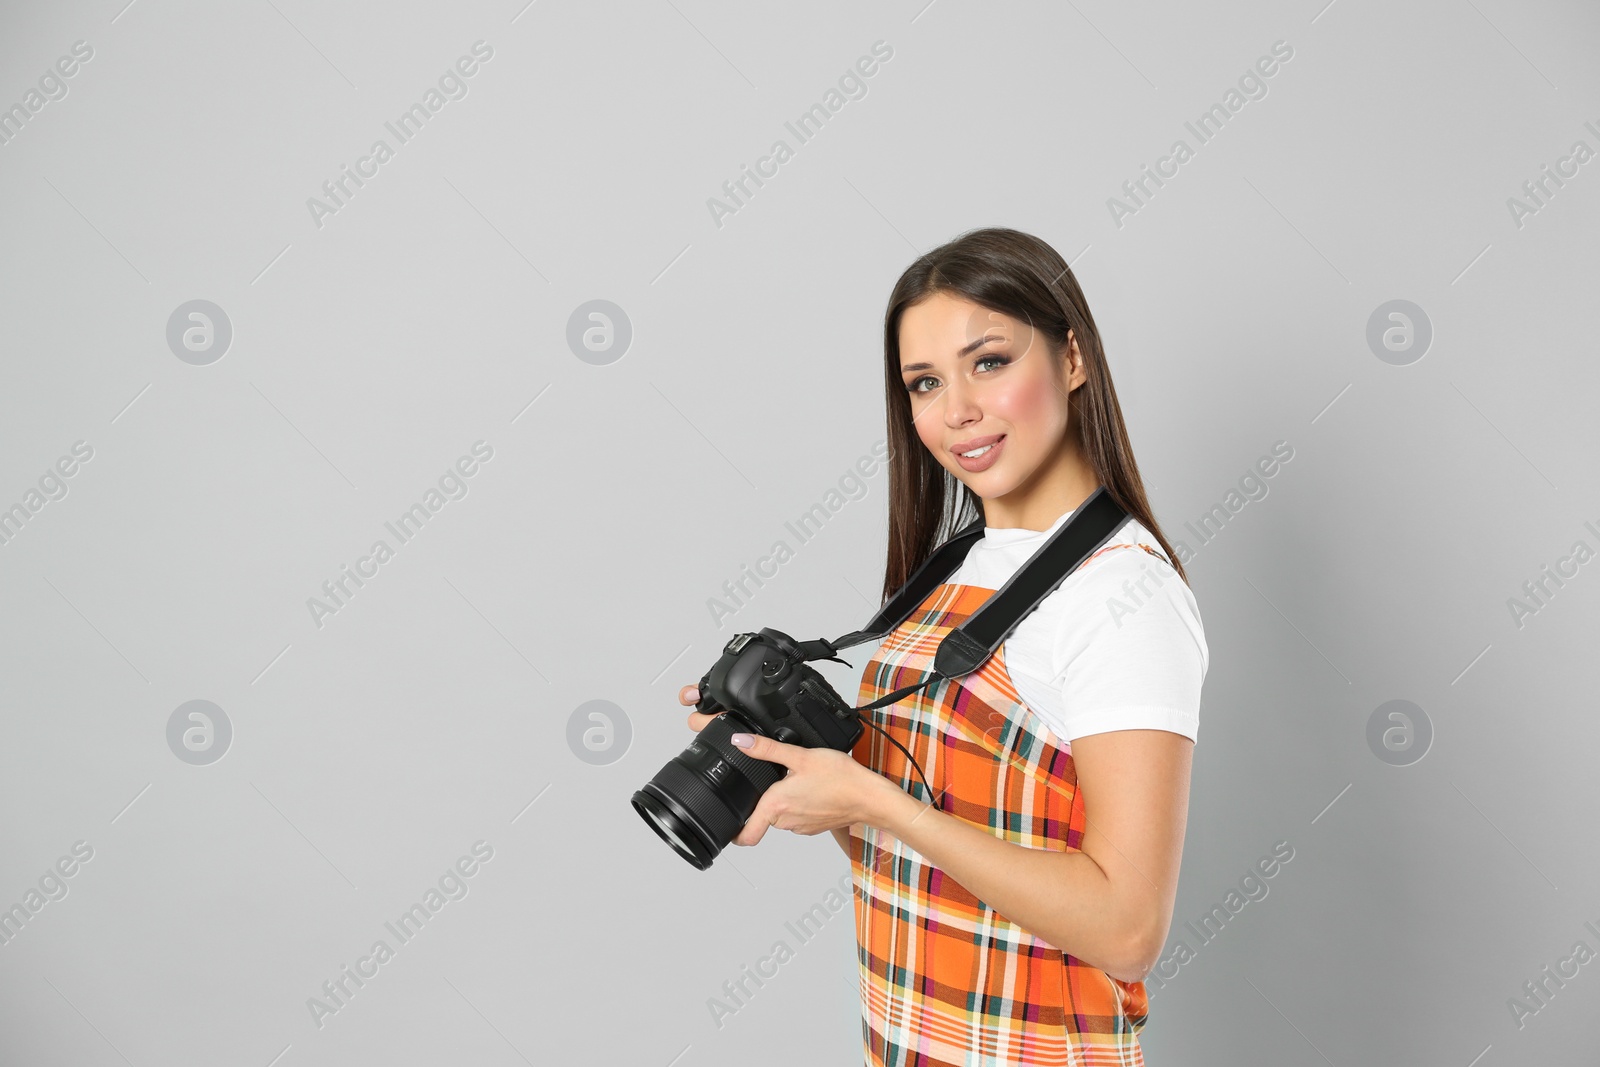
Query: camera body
[(763, 680), (761, 684)]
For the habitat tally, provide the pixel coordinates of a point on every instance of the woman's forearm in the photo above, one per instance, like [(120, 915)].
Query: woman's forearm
[(1064, 898)]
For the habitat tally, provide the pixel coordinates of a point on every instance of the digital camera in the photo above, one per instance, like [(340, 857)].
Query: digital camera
[(761, 684)]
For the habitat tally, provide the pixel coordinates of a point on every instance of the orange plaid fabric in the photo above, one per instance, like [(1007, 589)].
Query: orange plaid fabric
[(947, 981)]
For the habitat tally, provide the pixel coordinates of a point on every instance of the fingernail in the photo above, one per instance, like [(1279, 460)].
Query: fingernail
[(691, 692), (743, 740)]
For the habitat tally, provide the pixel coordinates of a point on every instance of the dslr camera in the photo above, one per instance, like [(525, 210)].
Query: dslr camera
[(762, 684)]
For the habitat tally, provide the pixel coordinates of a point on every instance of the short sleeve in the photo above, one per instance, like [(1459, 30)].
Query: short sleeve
[(1134, 656)]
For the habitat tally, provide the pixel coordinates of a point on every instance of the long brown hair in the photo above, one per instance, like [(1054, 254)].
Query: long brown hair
[(1018, 275)]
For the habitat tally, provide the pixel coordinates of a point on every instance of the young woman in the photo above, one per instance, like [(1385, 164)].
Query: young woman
[(1011, 917)]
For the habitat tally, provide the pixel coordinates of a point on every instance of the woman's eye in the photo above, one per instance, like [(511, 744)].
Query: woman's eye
[(999, 361), (915, 387)]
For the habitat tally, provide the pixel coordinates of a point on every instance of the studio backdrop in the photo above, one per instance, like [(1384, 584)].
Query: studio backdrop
[(401, 402)]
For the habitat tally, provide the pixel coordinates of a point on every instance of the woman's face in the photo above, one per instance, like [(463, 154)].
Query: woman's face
[(982, 382)]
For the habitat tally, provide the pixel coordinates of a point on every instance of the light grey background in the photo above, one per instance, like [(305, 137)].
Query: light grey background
[(432, 711)]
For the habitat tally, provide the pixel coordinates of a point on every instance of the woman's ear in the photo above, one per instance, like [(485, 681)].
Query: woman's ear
[(1073, 364), (1071, 371)]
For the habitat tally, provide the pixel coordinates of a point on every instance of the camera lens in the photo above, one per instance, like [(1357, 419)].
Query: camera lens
[(702, 798)]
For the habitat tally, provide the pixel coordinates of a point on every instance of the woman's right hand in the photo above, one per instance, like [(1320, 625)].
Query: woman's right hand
[(690, 695)]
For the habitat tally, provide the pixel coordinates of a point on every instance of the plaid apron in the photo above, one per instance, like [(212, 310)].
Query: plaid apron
[(947, 981)]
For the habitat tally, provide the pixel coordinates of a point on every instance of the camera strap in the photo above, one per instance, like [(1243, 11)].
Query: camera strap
[(968, 646)]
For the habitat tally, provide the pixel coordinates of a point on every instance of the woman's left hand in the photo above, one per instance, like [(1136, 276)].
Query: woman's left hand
[(825, 788)]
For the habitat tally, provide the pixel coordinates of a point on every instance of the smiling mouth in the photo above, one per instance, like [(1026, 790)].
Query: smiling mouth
[(980, 458)]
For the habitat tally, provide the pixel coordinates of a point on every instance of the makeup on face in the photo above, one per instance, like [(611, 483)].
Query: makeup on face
[(978, 407)]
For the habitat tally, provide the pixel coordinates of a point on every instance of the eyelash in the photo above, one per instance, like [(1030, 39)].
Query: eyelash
[(998, 360)]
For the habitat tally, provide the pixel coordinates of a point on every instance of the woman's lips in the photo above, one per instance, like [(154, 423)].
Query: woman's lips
[(975, 464)]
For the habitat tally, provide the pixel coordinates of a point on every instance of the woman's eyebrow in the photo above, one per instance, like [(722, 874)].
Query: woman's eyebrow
[(967, 351)]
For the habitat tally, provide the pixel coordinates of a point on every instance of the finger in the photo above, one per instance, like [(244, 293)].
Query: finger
[(765, 748), (689, 694), (753, 831), (698, 720)]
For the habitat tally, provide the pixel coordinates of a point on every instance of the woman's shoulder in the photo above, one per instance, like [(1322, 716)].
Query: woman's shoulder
[(1117, 645), (1126, 587), (1131, 550)]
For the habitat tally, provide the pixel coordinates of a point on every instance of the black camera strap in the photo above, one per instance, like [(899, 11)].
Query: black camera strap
[(968, 646)]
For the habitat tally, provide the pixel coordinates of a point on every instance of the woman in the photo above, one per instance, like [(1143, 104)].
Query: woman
[(1010, 917)]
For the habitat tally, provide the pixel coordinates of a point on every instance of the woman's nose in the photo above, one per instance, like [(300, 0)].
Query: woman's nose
[(960, 408)]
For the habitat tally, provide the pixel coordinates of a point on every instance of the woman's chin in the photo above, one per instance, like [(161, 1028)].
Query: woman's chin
[(988, 485)]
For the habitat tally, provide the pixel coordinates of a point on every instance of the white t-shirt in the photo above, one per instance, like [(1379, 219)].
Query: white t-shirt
[(1117, 645)]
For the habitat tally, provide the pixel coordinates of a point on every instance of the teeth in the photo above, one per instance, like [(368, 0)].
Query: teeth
[(977, 451)]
